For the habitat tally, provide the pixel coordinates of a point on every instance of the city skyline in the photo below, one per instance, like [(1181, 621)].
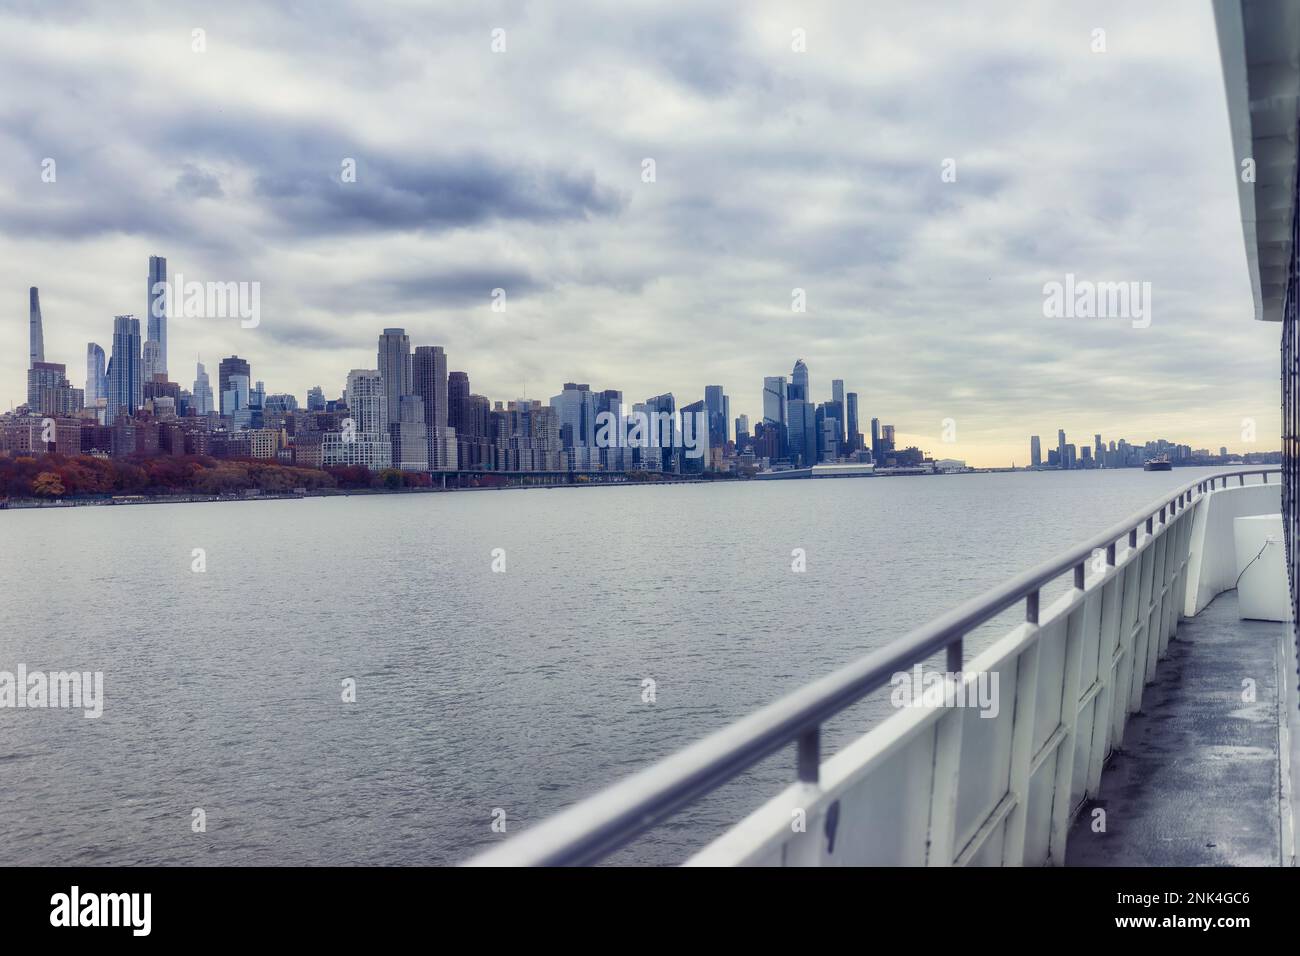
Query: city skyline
[(659, 286), (419, 374), (411, 414)]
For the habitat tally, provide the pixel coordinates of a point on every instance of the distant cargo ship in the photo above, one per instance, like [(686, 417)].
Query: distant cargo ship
[(1158, 464)]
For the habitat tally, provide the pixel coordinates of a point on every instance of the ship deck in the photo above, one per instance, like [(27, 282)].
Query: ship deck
[(1200, 776)]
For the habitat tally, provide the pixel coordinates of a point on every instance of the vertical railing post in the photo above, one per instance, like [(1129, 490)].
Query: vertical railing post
[(810, 755), (955, 656), (806, 848)]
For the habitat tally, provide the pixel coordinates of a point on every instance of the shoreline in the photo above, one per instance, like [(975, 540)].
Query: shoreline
[(28, 504), (37, 504)]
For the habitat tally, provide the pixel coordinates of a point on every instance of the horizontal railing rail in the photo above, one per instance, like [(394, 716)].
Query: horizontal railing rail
[(608, 820)]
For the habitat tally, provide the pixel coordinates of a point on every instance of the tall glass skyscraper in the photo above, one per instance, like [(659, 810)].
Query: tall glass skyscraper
[(799, 382), (802, 431), (774, 399), (717, 406), (96, 378), (661, 412), (233, 365), (125, 381), (202, 390), (157, 316), (575, 410)]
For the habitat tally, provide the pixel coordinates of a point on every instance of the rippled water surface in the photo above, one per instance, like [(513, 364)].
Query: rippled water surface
[(476, 691)]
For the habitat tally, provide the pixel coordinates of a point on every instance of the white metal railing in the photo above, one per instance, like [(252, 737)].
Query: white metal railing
[(936, 785)]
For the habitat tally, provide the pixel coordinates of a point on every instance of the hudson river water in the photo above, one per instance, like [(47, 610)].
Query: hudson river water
[(476, 691)]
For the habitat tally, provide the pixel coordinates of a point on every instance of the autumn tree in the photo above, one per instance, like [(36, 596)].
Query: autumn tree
[(48, 485)]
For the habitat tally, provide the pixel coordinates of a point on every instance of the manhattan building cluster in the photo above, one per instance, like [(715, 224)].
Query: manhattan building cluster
[(1120, 454), (411, 413)]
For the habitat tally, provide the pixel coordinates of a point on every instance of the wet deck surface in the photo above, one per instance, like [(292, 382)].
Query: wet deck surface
[(1197, 782)]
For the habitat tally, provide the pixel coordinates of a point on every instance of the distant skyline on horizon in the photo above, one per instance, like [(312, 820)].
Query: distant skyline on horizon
[(775, 171)]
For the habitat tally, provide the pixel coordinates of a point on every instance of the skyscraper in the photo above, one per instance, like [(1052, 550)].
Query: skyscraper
[(233, 365), (1060, 448), (609, 403), (368, 402), (202, 390), (157, 317), (409, 437), (853, 437), (575, 410), (717, 406), (662, 437), (366, 441), (698, 459), (875, 439), (315, 399), (457, 399), (775, 412), (831, 411), (1035, 451), (480, 450), (125, 379), (150, 357), (429, 382), (96, 379), (802, 431), (235, 400), (395, 370), (828, 430), (467, 418), (837, 396), (49, 392), (774, 399), (799, 381), (36, 334)]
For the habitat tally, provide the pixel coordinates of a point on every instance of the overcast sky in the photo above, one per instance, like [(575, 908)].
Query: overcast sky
[(774, 170)]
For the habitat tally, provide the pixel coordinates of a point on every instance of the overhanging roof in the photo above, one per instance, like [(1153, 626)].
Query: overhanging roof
[(1259, 44)]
